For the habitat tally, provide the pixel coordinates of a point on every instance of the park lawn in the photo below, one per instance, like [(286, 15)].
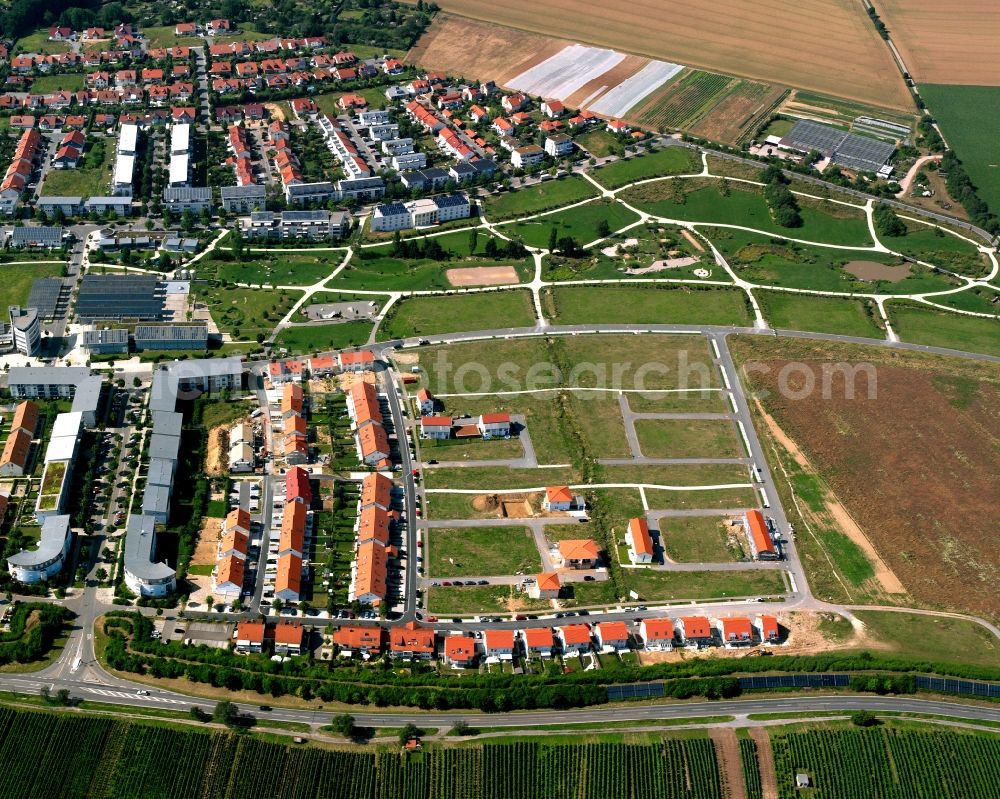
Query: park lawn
[(538, 197), (977, 300), (656, 585), (598, 142), (688, 438), (677, 402), (284, 269), (475, 599), (932, 638), (841, 315), (920, 325), (480, 551), (703, 203), (969, 117), (472, 449), (245, 313), (321, 338), (16, 280), (666, 161), (574, 305), (374, 270), (707, 499), (80, 182), (696, 539), (493, 478), (164, 36), (38, 42), (420, 316), (936, 246), (46, 84), (763, 260), (579, 223)]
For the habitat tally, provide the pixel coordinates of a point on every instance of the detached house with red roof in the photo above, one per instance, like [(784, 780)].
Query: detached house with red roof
[(560, 498), (767, 629), (438, 427), (514, 102), (574, 638), (546, 585), (411, 641), (460, 651), (640, 543), (499, 644), (553, 108), (579, 553), (736, 631), (611, 635), (494, 425), (538, 641), (695, 631), (657, 634)]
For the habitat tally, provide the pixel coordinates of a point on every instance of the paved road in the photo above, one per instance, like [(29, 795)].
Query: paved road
[(118, 692)]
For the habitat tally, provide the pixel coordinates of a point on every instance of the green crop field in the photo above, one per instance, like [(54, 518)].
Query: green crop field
[(667, 161), (970, 119), (859, 764), (539, 197), (841, 315), (573, 305), (419, 316), (923, 325), (685, 100), (480, 551)]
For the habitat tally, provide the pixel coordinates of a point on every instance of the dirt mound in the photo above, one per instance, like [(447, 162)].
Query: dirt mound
[(218, 443), (486, 502), (483, 276)]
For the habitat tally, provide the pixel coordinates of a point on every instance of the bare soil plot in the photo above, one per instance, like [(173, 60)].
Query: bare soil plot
[(828, 46), (727, 755), (736, 116), (917, 466), (208, 542), (765, 759), (483, 276), (954, 42), (872, 270), (476, 50)]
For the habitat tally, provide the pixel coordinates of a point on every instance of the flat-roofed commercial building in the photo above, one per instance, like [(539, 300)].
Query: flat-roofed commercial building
[(171, 337)]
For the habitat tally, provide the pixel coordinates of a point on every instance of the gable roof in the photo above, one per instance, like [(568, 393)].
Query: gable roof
[(539, 637), (375, 490), (613, 631), (642, 543), (410, 637), (499, 639), (358, 637), (695, 627), (575, 634), (658, 629), (289, 576)]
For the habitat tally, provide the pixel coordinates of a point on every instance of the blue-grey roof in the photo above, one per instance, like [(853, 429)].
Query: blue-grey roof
[(187, 194), (88, 392), (167, 423), (92, 202), (304, 216), (164, 446), (154, 333), (160, 472), (55, 529), (252, 191), (46, 236), (140, 542), (392, 209), (451, 200), (156, 499), (49, 375)]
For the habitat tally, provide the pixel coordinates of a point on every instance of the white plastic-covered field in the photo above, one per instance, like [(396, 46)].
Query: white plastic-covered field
[(616, 101), (602, 79), (568, 70)]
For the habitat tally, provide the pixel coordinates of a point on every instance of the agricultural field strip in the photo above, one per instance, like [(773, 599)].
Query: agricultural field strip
[(617, 101)]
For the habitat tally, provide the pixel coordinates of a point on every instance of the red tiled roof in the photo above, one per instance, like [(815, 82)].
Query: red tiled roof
[(575, 634), (695, 627), (659, 629)]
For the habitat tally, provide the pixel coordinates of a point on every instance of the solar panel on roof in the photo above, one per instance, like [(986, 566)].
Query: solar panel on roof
[(44, 296), (120, 297)]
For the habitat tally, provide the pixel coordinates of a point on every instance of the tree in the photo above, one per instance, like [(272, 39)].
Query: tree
[(198, 714), (461, 727), (553, 239), (887, 223), (343, 724), (101, 574), (473, 240), (408, 732), (225, 713), (603, 228), (864, 718)]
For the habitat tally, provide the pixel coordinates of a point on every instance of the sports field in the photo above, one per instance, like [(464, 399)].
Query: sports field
[(829, 46), (970, 119), (953, 42)]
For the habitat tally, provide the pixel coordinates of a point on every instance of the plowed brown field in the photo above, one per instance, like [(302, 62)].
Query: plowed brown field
[(953, 42), (918, 467), (829, 46)]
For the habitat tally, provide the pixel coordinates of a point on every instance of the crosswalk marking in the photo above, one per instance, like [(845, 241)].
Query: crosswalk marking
[(133, 695)]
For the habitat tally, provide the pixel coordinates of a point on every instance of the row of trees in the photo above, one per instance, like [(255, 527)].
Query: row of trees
[(784, 206)]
